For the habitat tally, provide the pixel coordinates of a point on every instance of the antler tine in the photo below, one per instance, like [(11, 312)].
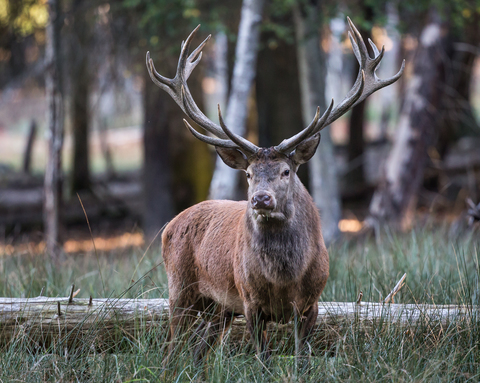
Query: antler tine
[(160, 81), (367, 81), (210, 140), (187, 63), (350, 99), (177, 87), (287, 145), (368, 64), (374, 47), (242, 143), (358, 45)]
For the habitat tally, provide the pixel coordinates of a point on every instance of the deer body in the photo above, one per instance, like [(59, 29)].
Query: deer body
[(265, 257), (260, 266)]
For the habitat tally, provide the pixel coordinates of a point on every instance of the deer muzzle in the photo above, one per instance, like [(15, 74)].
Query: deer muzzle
[(263, 201)]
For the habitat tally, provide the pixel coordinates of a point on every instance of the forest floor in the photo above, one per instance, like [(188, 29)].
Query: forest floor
[(442, 266)]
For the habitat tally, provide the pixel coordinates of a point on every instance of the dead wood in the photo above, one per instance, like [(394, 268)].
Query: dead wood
[(101, 323)]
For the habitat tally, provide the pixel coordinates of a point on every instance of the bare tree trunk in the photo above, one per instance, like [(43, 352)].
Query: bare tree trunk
[(458, 118), (277, 92), (55, 116), (416, 130), (106, 152), (389, 98), (80, 80), (27, 156), (157, 175), (17, 60), (191, 159), (355, 177), (225, 179), (221, 68), (323, 173)]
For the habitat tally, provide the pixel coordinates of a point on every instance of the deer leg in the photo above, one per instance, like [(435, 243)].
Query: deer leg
[(304, 326), (183, 307), (211, 333), (257, 327)]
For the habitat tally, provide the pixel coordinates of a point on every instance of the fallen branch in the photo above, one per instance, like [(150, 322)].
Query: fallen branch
[(102, 322), (396, 289)]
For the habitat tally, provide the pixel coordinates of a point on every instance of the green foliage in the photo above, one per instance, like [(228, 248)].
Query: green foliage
[(442, 268), (459, 14), (23, 17), (161, 24)]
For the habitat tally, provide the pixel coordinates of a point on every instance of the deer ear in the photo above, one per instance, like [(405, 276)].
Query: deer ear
[(233, 157), (306, 149)]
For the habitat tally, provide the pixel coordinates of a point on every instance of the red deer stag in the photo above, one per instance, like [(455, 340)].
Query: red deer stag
[(263, 258)]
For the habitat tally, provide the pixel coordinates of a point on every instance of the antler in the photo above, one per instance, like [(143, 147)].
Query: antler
[(178, 89), (366, 83), (235, 141)]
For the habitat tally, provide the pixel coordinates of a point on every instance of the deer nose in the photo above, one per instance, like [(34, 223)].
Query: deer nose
[(262, 201)]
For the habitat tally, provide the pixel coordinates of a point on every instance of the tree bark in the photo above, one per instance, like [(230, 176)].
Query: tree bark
[(191, 159), (106, 152), (416, 130), (277, 91), (80, 81), (17, 62), (27, 155), (355, 178), (458, 118), (225, 179), (392, 93), (157, 177), (322, 168), (55, 118), (102, 323)]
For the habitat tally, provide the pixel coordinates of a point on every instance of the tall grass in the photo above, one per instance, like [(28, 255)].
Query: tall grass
[(442, 268)]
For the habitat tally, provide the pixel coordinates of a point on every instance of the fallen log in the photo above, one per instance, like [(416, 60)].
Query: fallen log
[(101, 323)]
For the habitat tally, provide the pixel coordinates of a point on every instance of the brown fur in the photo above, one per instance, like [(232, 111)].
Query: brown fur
[(223, 254)]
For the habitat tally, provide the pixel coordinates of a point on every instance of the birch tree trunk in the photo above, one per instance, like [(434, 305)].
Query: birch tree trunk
[(221, 68), (416, 130), (322, 168), (388, 97), (224, 180), (55, 117)]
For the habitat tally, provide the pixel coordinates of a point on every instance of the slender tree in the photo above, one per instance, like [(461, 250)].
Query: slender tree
[(79, 73), (322, 167), (416, 130), (277, 87), (355, 178), (157, 168), (435, 97), (224, 180), (55, 116)]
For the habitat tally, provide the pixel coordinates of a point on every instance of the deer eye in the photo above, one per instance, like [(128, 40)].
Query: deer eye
[(286, 173), (248, 175)]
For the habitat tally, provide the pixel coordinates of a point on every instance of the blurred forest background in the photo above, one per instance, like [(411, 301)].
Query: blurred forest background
[(85, 132)]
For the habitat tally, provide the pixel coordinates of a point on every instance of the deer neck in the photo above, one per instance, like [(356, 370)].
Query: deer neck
[(280, 246)]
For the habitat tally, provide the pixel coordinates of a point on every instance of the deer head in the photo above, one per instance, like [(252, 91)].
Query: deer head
[(271, 172)]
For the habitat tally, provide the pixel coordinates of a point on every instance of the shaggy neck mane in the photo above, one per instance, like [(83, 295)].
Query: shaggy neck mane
[(280, 245)]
